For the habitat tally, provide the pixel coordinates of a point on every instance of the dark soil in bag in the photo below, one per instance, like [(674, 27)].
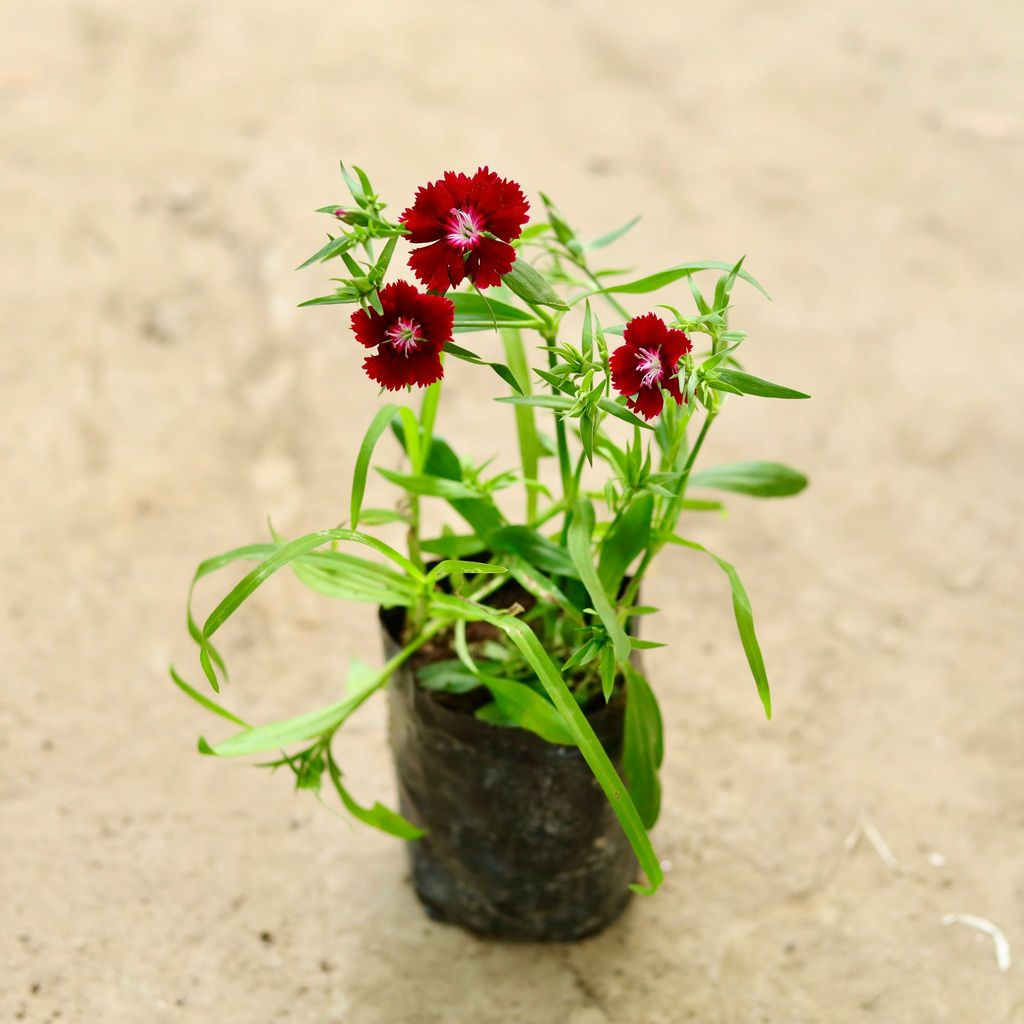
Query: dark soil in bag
[(521, 841)]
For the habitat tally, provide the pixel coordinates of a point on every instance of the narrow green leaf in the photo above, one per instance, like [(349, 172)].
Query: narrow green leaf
[(261, 738), (746, 384), (205, 701), (430, 486), (526, 708), (474, 307), (608, 673), (542, 587), (642, 747), (653, 282), (580, 530), (559, 403), (449, 676), (456, 565), (333, 247), (343, 296), (378, 816), (628, 535), (378, 425), (312, 724), (452, 545), (613, 236), (470, 357), (529, 284), (209, 656), (534, 548), (744, 621), (757, 479), (282, 556)]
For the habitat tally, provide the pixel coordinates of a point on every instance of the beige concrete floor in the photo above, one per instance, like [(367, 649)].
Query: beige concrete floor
[(161, 395)]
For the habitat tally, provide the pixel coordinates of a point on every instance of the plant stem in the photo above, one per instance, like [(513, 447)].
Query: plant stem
[(526, 427), (668, 521), (428, 415)]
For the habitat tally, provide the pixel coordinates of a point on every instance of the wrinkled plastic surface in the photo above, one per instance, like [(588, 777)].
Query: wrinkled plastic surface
[(521, 842)]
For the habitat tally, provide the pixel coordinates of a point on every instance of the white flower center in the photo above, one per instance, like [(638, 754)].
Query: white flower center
[(465, 228), (405, 334), (648, 362)]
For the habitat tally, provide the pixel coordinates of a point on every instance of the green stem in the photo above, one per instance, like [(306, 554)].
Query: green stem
[(526, 427), (428, 415), (610, 299), (667, 523), (561, 438)]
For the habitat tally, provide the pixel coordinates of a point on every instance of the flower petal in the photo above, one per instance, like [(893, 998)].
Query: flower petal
[(436, 315), (674, 346), (648, 402), (368, 328), (626, 376), (647, 331), (488, 261), (438, 266)]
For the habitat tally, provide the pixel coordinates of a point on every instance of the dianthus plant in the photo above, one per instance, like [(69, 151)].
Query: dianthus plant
[(621, 399)]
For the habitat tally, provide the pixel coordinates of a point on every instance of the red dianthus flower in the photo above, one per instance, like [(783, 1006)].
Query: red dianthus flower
[(647, 362), (453, 219), (408, 337)]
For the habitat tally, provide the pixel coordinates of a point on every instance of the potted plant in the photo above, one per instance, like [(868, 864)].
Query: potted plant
[(526, 737)]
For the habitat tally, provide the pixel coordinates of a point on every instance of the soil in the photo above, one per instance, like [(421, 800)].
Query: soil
[(161, 395)]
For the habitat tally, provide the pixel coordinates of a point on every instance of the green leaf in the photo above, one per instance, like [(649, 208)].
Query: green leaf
[(281, 556), (653, 282), (534, 548), (345, 587), (642, 747), (613, 236), (619, 411), (380, 268), (580, 530), (430, 486), (744, 621), (261, 738), (628, 535), (449, 676), (523, 706), (480, 512), (343, 296), (378, 816), (542, 587), (333, 247), (456, 565), (583, 734), (205, 701), (529, 284), (560, 403), (607, 672), (745, 384), (450, 545), (757, 479), (378, 425), (476, 308), (313, 724), (499, 368), (209, 654), (381, 516)]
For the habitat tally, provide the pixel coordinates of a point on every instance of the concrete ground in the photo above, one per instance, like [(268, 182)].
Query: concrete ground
[(161, 395)]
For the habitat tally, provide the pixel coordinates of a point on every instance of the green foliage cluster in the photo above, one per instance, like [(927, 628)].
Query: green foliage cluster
[(580, 551)]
